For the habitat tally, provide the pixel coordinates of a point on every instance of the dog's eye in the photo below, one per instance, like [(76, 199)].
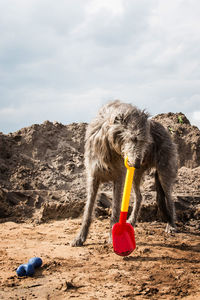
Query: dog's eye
[(116, 136)]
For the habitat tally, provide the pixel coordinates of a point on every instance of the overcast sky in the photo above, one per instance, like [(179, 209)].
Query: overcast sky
[(61, 60)]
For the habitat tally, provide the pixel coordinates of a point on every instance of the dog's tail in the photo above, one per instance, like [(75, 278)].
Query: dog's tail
[(161, 202)]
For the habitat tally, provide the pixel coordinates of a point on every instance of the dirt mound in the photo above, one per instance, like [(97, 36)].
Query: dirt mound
[(42, 170), (186, 136), (42, 157)]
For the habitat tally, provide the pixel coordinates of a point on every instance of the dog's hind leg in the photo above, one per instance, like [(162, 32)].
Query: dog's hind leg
[(93, 185), (164, 199), (160, 199), (116, 202)]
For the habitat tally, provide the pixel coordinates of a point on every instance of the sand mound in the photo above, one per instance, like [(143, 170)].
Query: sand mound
[(186, 136), (42, 171)]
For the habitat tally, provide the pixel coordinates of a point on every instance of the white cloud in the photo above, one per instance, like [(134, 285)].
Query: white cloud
[(113, 7), (65, 107), (54, 54), (194, 118)]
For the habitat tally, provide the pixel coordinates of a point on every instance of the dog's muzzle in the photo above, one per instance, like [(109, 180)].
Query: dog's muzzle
[(137, 163)]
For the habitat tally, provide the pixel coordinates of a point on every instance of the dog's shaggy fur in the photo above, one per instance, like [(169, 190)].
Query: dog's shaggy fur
[(121, 130)]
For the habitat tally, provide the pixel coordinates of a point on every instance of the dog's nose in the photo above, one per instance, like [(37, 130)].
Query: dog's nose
[(137, 163)]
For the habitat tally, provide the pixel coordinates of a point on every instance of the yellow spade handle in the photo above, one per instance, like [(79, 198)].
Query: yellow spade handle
[(127, 186)]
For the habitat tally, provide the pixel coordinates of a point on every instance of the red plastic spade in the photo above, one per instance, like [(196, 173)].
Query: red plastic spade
[(123, 233)]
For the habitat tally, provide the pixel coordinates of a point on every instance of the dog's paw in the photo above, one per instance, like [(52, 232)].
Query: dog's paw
[(77, 242), (131, 222), (110, 241), (170, 229)]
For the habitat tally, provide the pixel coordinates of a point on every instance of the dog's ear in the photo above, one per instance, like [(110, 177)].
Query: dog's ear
[(146, 114)]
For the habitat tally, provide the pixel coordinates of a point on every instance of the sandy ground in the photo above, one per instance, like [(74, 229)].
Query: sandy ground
[(42, 178), (162, 266)]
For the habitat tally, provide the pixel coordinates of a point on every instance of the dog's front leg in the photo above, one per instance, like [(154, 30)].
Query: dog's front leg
[(137, 202), (116, 203), (92, 188)]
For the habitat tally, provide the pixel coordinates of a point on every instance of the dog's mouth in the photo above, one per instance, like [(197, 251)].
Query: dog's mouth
[(134, 163)]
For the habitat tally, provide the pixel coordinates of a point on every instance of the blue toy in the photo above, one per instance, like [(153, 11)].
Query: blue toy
[(29, 268), (35, 261)]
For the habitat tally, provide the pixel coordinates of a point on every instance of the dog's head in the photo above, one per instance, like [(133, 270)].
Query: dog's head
[(131, 135)]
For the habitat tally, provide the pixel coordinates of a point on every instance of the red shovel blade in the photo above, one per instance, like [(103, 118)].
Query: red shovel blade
[(123, 239)]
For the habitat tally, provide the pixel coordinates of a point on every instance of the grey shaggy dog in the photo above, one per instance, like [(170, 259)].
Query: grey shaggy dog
[(121, 130)]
